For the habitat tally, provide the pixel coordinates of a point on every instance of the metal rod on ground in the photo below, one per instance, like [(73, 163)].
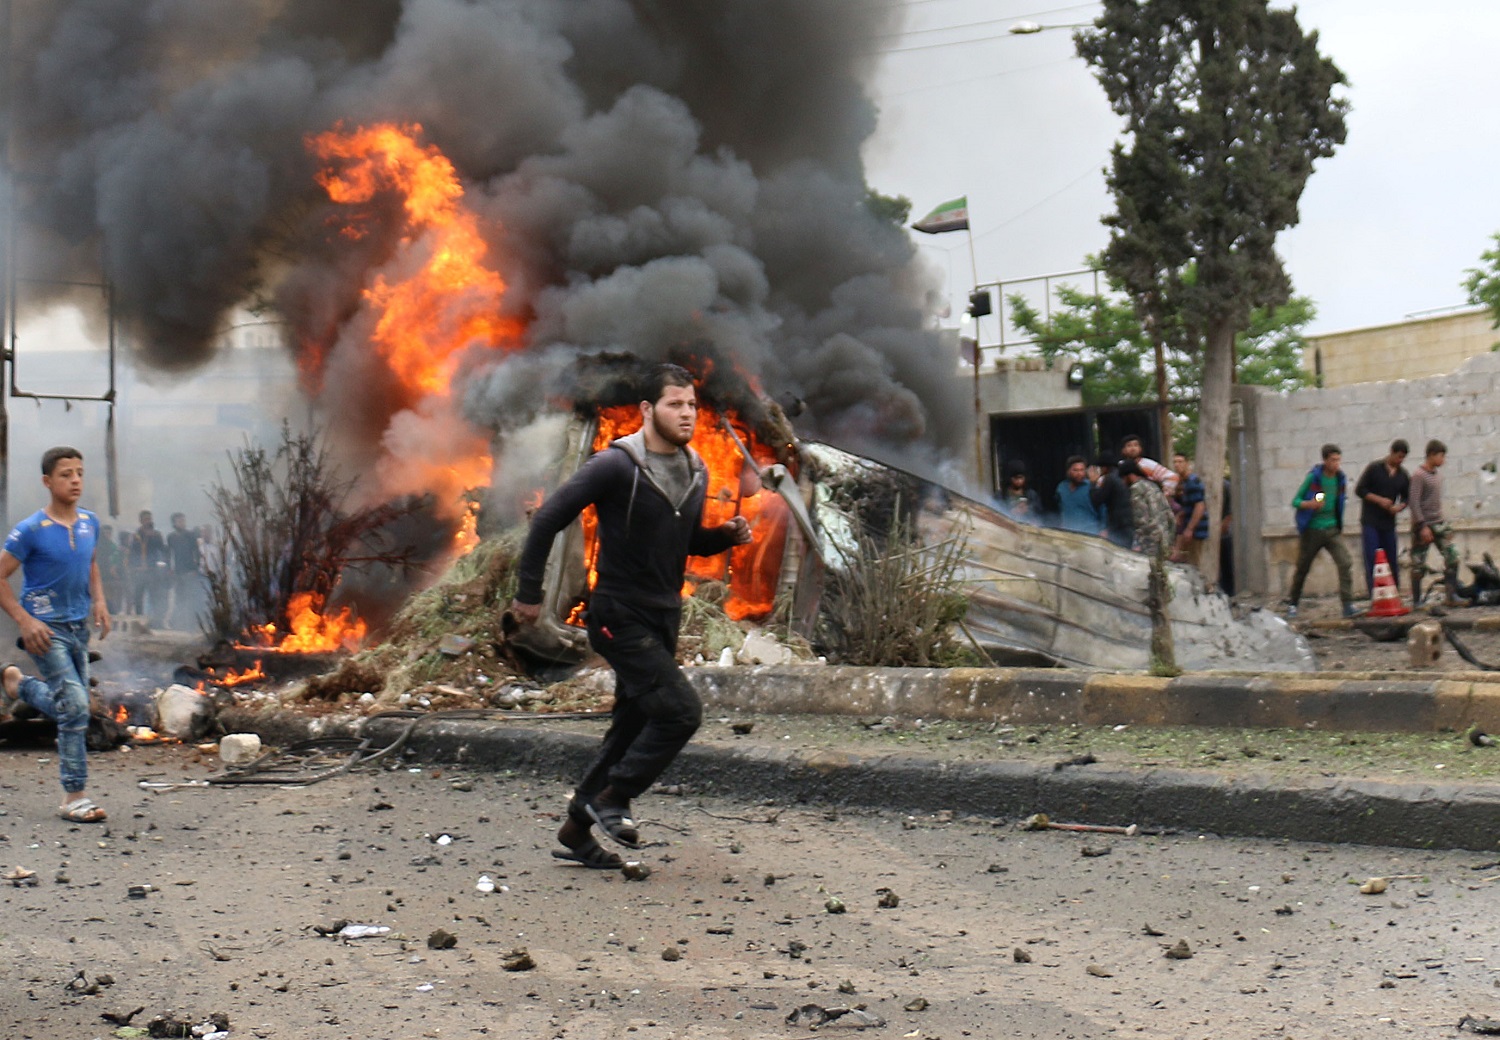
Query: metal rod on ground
[(1041, 822)]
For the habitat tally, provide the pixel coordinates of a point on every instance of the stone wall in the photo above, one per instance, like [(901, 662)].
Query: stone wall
[(1283, 434), (1407, 349)]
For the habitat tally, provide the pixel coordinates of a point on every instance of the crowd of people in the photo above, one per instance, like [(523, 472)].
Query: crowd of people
[(153, 575), (1137, 503), (1129, 499), (1385, 490)]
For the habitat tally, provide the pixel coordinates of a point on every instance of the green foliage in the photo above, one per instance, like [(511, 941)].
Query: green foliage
[(1104, 333), (1226, 108), (893, 208), (1483, 283)]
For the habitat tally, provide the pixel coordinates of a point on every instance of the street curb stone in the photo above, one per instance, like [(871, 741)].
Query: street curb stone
[(1027, 696), (1321, 810)]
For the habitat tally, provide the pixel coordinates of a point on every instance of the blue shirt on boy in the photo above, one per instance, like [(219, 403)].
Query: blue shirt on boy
[(55, 564)]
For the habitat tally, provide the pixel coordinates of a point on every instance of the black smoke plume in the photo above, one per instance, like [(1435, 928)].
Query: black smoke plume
[(650, 173)]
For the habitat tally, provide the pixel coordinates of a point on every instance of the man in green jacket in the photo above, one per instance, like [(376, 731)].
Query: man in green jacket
[(1319, 503)]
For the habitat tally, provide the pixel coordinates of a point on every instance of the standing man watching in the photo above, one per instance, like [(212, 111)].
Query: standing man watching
[(187, 581), (1319, 503), (1383, 488), (61, 593), (1192, 512), (1428, 526), (1112, 495), (648, 490), (1077, 510)]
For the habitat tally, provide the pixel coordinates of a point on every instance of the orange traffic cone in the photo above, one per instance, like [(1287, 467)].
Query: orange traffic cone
[(1385, 600)]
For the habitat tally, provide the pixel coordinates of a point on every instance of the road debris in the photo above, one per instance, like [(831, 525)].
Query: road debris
[(1179, 951), (1094, 851), (834, 905), (814, 1015), (19, 876), (671, 953), (1020, 956), (1479, 738), (634, 870), (1483, 1026), (887, 900), (214, 1027), (916, 1004), (518, 959), (441, 939), (363, 931), (1099, 972), (1042, 822)]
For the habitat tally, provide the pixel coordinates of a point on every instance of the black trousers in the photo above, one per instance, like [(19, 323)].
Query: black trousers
[(656, 711)]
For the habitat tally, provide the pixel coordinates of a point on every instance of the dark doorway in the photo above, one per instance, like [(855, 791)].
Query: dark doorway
[(1043, 441)]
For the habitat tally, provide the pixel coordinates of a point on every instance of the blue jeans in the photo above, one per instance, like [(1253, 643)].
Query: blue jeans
[(62, 694)]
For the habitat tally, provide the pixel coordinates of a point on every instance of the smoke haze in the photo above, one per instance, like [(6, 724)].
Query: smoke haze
[(649, 175)]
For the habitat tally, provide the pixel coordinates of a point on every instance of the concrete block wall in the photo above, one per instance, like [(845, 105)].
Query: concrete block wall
[(1462, 409)]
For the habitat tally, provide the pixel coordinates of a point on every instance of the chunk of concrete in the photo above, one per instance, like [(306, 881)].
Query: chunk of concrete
[(182, 712), (1424, 644), (760, 648), (237, 749)]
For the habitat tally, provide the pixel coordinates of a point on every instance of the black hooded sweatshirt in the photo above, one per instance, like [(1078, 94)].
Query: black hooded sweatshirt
[(644, 538)]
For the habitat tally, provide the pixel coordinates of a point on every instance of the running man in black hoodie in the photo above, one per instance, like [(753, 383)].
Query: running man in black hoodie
[(648, 490)]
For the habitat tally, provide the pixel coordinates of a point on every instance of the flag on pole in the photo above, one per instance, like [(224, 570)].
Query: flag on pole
[(950, 216)]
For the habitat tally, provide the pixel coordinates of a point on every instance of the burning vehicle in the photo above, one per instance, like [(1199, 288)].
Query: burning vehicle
[(1034, 595)]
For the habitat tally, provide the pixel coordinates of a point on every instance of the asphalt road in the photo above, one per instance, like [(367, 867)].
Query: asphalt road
[(1283, 943)]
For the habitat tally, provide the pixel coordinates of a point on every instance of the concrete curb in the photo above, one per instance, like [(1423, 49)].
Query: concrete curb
[(1043, 696), (1324, 810)]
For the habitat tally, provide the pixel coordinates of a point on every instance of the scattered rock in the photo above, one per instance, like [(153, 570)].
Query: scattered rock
[(1020, 956), (1099, 972), (814, 1015), (1179, 951), (915, 1004), (671, 953), (238, 749), (760, 648), (834, 905), (454, 645), (888, 899), (1285, 910), (518, 959), (1374, 886), (635, 871), (1152, 930), (441, 939), (742, 729), (847, 987), (795, 949), (121, 1018), (1094, 851)]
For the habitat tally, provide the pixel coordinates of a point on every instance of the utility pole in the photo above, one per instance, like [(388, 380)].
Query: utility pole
[(7, 257)]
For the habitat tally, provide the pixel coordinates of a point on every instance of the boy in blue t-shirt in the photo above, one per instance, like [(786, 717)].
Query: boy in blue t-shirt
[(61, 593)]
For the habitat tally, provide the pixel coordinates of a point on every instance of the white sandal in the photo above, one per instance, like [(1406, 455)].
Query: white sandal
[(82, 811)]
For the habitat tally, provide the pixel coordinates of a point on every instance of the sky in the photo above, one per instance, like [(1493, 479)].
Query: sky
[(1017, 123)]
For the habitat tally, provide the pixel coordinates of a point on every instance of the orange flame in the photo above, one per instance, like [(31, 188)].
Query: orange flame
[(237, 678), (122, 714), (751, 571), (424, 321), (312, 631)]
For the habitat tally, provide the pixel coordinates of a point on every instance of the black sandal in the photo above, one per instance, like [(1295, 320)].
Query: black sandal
[(592, 855), (614, 822)]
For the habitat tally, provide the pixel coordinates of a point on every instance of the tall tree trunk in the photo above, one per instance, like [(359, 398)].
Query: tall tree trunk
[(1213, 433)]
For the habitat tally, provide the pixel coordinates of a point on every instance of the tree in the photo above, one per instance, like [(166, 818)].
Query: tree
[(1483, 283), (1226, 106), (1106, 336), (893, 208)]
